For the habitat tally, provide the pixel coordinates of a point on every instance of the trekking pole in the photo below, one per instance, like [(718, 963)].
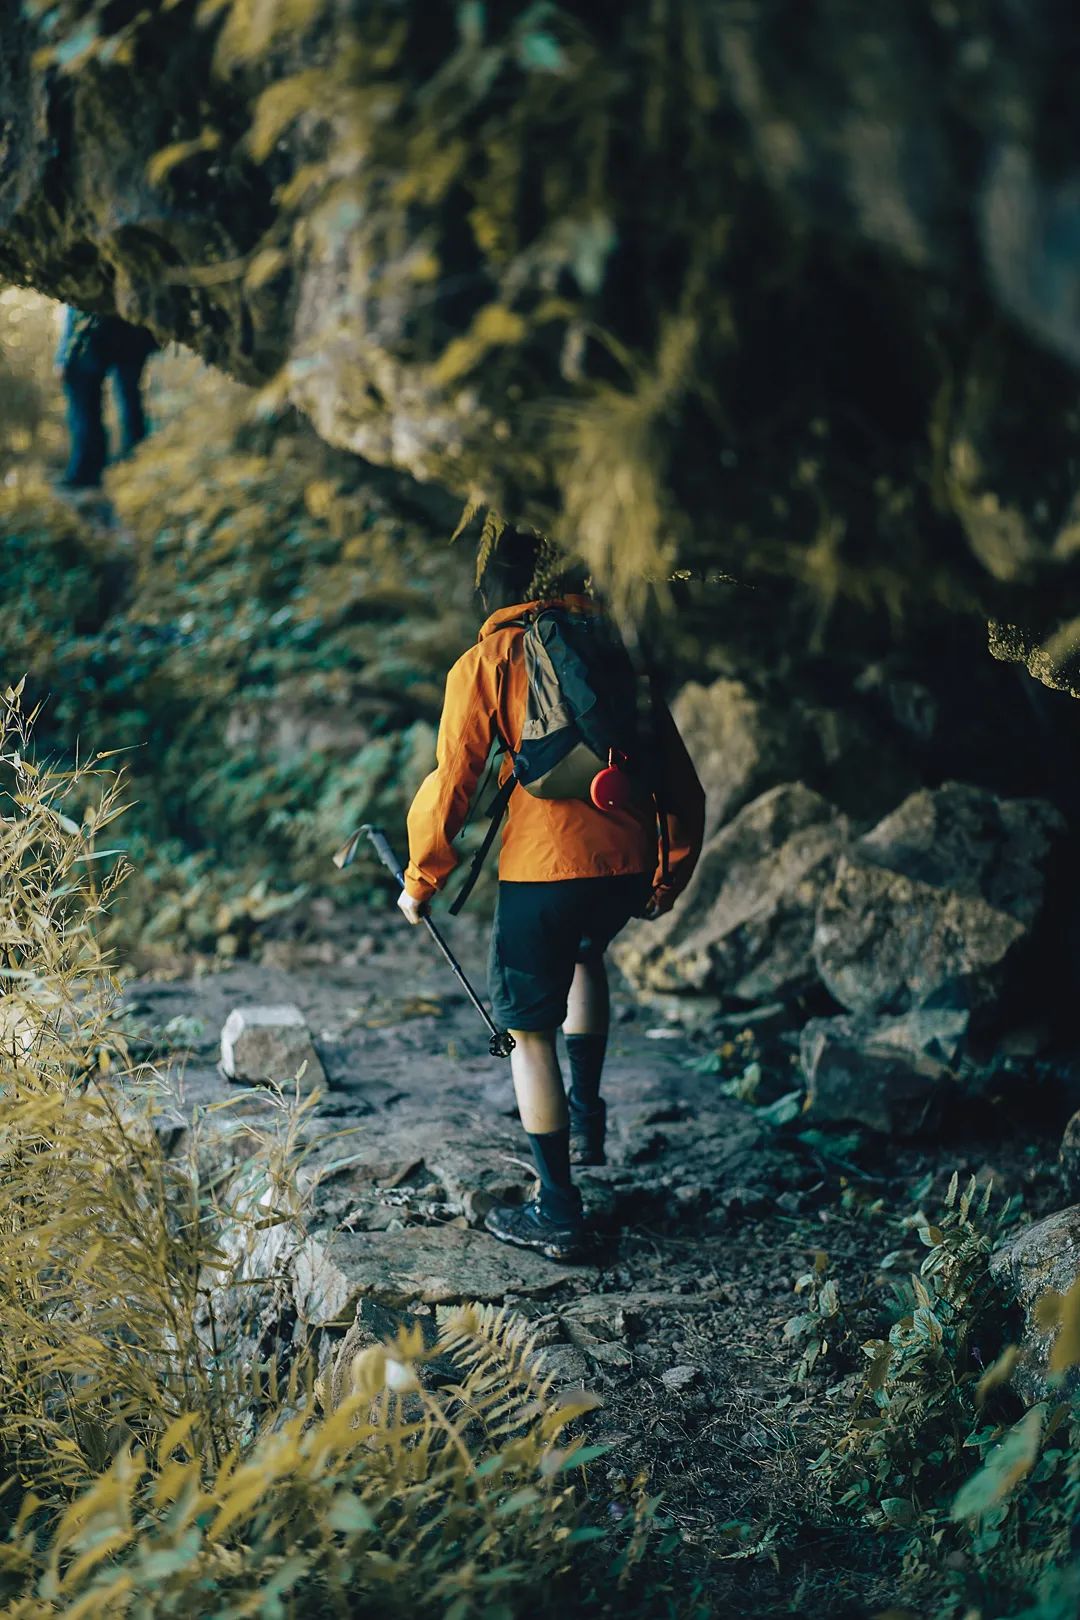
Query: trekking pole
[(502, 1042)]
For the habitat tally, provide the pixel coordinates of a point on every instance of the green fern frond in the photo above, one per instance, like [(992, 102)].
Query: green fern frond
[(498, 1351), (490, 534), (473, 505)]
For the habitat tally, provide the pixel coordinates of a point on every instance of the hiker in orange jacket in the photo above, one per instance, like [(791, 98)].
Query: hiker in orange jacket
[(570, 877)]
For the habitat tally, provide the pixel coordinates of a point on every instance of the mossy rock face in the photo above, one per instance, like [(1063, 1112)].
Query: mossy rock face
[(1040, 1258), (779, 289)]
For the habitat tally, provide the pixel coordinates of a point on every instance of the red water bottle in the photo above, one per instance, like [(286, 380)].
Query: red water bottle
[(611, 788)]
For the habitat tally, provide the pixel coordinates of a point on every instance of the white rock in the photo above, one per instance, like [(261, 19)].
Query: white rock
[(269, 1043), (681, 1377)]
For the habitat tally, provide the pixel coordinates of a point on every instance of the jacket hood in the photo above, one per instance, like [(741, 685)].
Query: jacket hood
[(504, 616)]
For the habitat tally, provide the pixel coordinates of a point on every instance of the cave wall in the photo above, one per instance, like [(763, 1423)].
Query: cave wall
[(787, 290)]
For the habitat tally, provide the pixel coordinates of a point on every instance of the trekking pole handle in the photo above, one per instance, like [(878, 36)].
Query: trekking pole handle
[(384, 852)]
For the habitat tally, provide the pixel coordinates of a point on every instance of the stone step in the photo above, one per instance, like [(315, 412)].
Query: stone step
[(438, 1265)]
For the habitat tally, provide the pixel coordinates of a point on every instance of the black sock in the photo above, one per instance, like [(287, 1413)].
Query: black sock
[(586, 1054), (559, 1198)]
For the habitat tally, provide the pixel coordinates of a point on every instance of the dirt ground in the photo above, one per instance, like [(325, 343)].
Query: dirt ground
[(704, 1218)]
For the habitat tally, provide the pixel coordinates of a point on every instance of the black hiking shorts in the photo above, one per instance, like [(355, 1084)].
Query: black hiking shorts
[(542, 930)]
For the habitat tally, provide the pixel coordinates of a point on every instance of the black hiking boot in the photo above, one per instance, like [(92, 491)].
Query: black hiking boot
[(587, 1133), (528, 1227)]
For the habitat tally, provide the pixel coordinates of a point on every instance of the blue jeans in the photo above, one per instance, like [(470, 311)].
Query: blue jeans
[(84, 385), (127, 386)]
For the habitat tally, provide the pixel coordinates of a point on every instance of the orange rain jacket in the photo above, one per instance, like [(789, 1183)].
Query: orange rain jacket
[(543, 840)]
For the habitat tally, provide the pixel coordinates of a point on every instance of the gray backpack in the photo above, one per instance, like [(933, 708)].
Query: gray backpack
[(583, 722)]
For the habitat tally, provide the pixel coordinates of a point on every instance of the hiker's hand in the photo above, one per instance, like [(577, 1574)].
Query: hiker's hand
[(658, 903), (412, 910)]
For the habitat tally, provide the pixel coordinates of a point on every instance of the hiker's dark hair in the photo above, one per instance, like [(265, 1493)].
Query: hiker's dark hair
[(509, 568), (522, 565)]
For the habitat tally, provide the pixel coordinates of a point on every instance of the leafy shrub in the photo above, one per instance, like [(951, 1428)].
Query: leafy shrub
[(29, 406), (823, 1323), (55, 577), (257, 632), (400, 1501), (918, 1405), (933, 1402)]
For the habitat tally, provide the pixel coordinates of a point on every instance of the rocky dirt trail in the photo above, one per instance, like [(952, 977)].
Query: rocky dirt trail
[(704, 1217)]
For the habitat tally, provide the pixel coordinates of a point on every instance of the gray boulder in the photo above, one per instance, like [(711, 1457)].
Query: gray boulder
[(744, 929), (745, 741), (928, 907), (261, 1044), (883, 1074), (1039, 1258), (740, 745)]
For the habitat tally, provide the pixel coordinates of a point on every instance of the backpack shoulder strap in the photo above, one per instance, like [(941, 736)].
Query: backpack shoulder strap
[(498, 811)]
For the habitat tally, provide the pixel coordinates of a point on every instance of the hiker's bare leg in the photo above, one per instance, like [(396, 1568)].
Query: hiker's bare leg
[(538, 1082), (541, 1103), (588, 1009)]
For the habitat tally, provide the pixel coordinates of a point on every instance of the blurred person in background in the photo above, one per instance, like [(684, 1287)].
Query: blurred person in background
[(91, 347)]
